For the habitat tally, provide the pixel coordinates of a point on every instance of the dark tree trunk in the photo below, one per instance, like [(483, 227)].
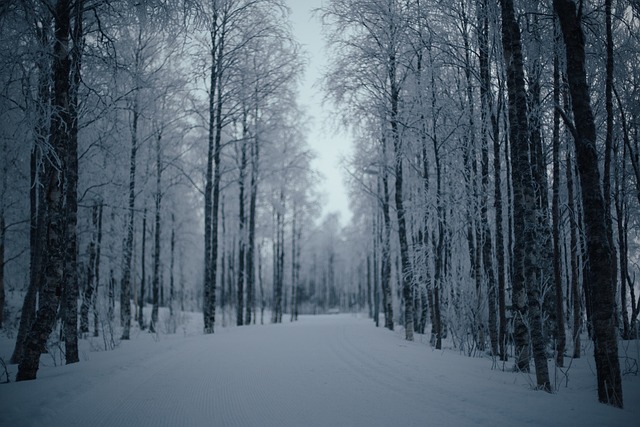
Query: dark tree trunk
[(406, 270), (37, 204), (208, 193), (212, 186), (369, 284), (600, 260), (254, 152), (241, 225), (216, 186), (263, 303), (608, 149), (439, 261), (527, 250), (87, 297), (500, 250), (171, 267), (425, 232), (71, 291), (155, 284), (519, 159), (2, 242), (125, 291), (94, 301), (54, 223), (377, 238), (143, 279), (555, 215), (278, 282), (223, 263), (485, 233), (575, 249), (387, 298), (294, 263), (439, 257)]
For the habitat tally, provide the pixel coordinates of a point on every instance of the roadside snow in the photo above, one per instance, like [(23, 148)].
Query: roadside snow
[(336, 370)]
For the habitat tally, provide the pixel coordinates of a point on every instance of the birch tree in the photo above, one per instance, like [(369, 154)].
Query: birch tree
[(599, 252)]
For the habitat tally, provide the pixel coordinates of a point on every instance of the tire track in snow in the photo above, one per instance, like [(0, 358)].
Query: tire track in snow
[(438, 398), (122, 401)]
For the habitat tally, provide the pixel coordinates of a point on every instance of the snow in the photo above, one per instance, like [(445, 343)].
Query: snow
[(334, 370)]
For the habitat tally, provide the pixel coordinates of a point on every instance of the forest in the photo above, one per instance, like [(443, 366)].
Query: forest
[(155, 161)]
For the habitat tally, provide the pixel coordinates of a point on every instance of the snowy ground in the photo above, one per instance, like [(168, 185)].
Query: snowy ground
[(334, 370)]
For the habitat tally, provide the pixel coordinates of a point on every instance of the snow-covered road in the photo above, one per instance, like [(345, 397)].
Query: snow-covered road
[(320, 371)]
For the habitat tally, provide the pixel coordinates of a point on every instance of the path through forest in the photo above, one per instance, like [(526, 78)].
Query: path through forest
[(321, 371)]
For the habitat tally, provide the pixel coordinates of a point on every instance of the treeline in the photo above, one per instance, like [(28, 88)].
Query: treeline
[(495, 174)]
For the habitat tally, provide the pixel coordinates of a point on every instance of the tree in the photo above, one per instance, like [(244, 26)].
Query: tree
[(599, 252), (527, 250), (61, 125), (555, 216), (486, 111)]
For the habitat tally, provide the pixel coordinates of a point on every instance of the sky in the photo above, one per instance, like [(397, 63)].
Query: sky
[(330, 145)]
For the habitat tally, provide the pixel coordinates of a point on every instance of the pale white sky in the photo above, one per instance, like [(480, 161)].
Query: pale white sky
[(330, 146)]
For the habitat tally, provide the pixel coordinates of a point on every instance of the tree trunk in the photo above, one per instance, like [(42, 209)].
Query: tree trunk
[(94, 301), (216, 182), (36, 229), (369, 283), (600, 262), (54, 224), (71, 291), (87, 297), (294, 263), (500, 250), (377, 238), (171, 267), (2, 242), (527, 250), (143, 279), (555, 216), (425, 243), (263, 303), (608, 149), (254, 153), (157, 234), (485, 233), (241, 224), (125, 291), (387, 298), (434, 300), (278, 261), (212, 186), (223, 263), (406, 269)]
